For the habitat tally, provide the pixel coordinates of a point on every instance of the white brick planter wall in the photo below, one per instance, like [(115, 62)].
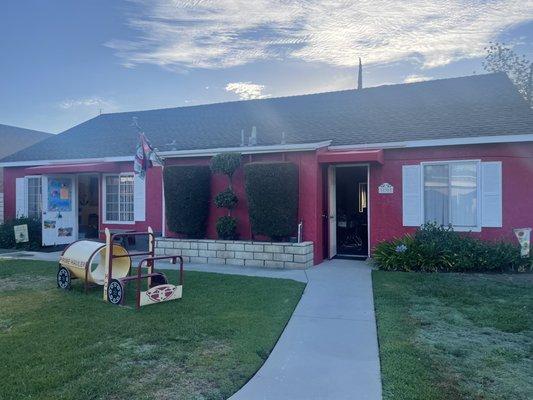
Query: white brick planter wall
[(237, 252)]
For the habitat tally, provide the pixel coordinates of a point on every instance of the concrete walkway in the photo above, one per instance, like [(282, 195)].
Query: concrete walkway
[(328, 349)]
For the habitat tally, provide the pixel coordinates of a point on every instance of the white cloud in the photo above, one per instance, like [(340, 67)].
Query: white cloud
[(91, 102), (416, 78), (187, 34), (247, 90)]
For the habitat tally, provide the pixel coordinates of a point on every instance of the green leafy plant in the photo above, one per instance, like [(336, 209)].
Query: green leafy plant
[(187, 193), (226, 199), (435, 248), (272, 191), (7, 234), (227, 228), (227, 164)]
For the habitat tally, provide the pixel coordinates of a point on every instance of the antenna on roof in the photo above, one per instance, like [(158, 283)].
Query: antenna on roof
[(283, 139), (360, 76), (242, 138)]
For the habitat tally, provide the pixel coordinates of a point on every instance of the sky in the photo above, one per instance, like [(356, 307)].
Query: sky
[(63, 62)]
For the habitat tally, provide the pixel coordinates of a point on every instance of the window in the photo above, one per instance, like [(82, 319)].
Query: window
[(450, 193), (34, 196), (119, 198)]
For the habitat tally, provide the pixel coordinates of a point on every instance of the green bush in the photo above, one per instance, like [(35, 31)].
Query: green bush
[(272, 191), (440, 249), (227, 228), (187, 192), (7, 234), (226, 163), (226, 199)]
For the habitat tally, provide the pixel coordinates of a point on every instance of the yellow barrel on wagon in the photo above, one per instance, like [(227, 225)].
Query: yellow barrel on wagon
[(86, 260)]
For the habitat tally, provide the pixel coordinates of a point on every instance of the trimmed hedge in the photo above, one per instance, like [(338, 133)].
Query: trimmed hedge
[(440, 249), (187, 192), (227, 228), (7, 234), (272, 191)]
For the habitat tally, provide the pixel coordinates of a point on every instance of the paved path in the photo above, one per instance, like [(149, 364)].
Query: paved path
[(329, 348)]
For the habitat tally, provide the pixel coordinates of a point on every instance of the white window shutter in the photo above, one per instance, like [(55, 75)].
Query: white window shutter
[(491, 194), (21, 197), (139, 197), (411, 197)]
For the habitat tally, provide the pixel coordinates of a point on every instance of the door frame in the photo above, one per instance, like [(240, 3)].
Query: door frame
[(332, 205), (99, 196)]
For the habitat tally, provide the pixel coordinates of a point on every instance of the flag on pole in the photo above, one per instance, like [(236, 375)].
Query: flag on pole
[(145, 156)]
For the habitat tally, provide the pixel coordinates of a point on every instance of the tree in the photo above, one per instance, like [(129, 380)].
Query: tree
[(227, 164), (501, 58)]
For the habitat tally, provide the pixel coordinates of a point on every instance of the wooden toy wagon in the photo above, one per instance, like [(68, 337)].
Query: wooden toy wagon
[(109, 265)]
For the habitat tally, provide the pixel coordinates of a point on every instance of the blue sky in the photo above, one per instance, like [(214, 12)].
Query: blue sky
[(61, 62)]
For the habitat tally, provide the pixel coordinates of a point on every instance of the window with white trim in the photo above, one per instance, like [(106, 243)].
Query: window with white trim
[(119, 199), (34, 191), (451, 195)]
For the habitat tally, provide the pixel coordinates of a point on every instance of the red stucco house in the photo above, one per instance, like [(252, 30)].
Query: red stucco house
[(373, 163)]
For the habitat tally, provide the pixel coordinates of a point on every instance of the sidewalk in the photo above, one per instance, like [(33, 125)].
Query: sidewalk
[(329, 348)]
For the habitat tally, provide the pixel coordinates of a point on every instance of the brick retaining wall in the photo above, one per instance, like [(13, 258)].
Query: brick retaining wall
[(237, 252)]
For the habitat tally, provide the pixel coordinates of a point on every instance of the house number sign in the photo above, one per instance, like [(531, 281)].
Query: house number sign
[(385, 188)]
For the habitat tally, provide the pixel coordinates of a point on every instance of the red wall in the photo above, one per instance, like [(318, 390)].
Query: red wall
[(310, 203), (517, 200), (385, 210), (153, 196)]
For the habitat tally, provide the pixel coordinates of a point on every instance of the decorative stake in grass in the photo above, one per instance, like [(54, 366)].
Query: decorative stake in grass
[(227, 164)]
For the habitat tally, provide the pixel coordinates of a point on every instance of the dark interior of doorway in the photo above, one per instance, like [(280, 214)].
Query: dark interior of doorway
[(352, 209), (88, 210)]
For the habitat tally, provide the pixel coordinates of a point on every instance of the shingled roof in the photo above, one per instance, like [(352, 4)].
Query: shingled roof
[(479, 105), (13, 138)]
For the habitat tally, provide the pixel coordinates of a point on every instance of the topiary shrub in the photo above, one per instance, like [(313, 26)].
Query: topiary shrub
[(272, 192), (226, 199), (227, 228), (7, 234), (440, 249), (227, 164), (187, 192)]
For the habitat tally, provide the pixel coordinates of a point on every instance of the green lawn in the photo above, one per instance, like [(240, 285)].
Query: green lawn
[(68, 345), (455, 336)]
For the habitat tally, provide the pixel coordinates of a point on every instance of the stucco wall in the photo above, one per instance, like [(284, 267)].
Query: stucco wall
[(517, 199)]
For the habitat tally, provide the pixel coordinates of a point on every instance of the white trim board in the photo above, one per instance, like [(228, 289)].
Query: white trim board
[(438, 142)]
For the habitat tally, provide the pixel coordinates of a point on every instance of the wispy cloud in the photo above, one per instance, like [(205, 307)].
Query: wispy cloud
[(247, 90), (416, 78), (187, 34), (91, 102)]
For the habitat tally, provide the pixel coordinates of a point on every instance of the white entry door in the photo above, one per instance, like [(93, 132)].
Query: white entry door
[(332, 210), (59, 209)]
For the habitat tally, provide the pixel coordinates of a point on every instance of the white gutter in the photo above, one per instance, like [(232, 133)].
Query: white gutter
[(63, 161), (438, 142), (281, 148)]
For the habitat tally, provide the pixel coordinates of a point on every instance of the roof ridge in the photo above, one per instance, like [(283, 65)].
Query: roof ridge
[(372, 88)]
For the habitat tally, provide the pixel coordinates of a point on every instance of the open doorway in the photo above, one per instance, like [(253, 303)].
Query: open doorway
[(348, 211), (88, 210)]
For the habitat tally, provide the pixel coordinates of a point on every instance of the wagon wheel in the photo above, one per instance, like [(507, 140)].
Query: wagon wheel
[(63, 278), (115, 292)]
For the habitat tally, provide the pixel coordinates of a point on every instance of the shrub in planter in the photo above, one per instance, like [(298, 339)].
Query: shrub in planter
[(227, 164), (227, 228), (187, 192), (272, 191), (7, 234), (226, 199), (439, 249)]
